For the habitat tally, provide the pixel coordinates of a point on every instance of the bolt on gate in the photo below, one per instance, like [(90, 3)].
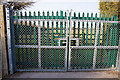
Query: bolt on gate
[(62, 42)]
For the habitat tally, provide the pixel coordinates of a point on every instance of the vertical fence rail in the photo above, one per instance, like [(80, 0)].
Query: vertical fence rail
[(12, 39), (66, 26), (118, 54), (39, 42), (95, 50), (9, 40), (70, 29)]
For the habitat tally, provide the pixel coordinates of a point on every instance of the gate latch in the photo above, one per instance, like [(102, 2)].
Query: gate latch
[(62, 41), (74, 41)]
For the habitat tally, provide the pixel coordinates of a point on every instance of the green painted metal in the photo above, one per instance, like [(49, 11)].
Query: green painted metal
[(30, 40), (50, 36), (26, 39), (35, 42), (43, 29), (88, 51), (18, 42), (114, 53), (98, 51), (102, 44), (110, 40), (78, 51), (65, 25), (52, 41), (95, 27), (73, 42), (91, 30), (86, 43), (21, 34), (82, 51), (106, 42), (48, 57), (56, 55)]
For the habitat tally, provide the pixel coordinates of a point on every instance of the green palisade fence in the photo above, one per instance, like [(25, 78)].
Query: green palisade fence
[(26, 33)]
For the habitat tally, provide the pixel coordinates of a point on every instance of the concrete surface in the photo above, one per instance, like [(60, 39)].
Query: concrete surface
[(102, 74)]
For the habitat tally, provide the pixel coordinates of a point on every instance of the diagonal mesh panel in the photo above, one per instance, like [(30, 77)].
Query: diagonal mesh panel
[(26, 58), (106, 58), (81, 58), (25, 33), (52, 58)]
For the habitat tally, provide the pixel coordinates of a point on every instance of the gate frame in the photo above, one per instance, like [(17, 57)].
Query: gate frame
[(11, 26), (68, 26), (95, 47)]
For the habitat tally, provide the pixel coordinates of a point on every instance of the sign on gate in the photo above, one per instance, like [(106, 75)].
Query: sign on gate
[(48, 42)]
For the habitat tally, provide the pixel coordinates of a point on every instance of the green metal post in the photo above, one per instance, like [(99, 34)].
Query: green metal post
[(78, 51), (110, 40), (21, 34), (106, 42), (82, 44), (98, 51)]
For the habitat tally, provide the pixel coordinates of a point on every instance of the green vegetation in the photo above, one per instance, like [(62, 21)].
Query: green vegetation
[(17, 4), (111, 7)]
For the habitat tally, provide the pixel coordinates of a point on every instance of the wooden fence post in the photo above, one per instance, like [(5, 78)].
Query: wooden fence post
[(3, 42)]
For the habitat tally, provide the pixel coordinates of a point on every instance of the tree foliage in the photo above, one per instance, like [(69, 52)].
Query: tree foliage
[(111, 8), (17, 4)]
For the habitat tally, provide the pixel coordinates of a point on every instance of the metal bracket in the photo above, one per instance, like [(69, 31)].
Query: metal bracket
[(60, 40), (77, 41)]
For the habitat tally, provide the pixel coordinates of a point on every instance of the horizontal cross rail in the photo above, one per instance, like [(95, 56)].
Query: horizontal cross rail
[(63, 20), (36, 46), (98, 47), (95, 21), (56, 70)]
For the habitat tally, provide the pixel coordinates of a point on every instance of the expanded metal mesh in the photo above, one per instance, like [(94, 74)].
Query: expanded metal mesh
[(26, 58), (51, 34), (33, 41), (26, 33), (52, 58), (106, 58), (83, 34), (82, 58)]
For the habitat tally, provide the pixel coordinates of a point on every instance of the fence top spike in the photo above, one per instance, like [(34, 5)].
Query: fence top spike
[(95, 14), (25, 13), (79, 15), (87, 14), (34, 13), (91, 14), (57, 13), (29, 13), (83, 14), (21, 13), (43, 12), (65, 14), (52, 13)]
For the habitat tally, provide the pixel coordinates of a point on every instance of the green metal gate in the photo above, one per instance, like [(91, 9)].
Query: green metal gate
[(93, 42), (63, 42)]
